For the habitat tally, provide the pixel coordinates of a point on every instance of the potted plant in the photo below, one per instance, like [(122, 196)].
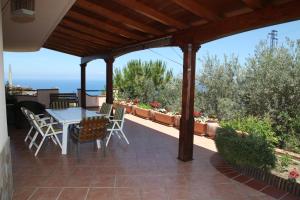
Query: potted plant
[(200, 126), (164, 117), (143, 110), (128, 106), (177, 120)]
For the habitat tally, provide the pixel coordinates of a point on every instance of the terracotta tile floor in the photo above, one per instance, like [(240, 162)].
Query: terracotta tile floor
[(145, 169)]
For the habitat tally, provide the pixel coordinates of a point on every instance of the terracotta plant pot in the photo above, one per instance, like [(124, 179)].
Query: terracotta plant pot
[(117, 104), (163, 118), (128, 108), (200, 128), (177, 121), (144, 113), (212, 129)]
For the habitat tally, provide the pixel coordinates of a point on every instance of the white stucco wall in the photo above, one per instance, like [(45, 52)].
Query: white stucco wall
[(3, 121)]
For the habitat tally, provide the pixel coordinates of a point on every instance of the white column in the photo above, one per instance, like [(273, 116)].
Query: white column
[(3, 120)]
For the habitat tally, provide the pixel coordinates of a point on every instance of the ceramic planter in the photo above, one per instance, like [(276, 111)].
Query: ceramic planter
[(177, 121), (200, 128), (163, 118), (212, 129), (128, 108), (144, 113)]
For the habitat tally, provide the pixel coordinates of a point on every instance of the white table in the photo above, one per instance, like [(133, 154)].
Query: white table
[(69, 116)]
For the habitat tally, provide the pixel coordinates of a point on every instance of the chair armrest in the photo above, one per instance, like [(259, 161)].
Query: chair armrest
[(50, 124), (115, 120), (39, 115), (44, 118)]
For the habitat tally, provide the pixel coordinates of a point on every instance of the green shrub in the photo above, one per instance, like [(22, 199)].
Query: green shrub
[(254, 126), (245, 150), (296, 125), (284, 162), (144, 106), (292, 143)]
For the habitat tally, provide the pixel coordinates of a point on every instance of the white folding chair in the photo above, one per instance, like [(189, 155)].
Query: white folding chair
[(116, 125), (40, 117), (45, 130), (105, 109)]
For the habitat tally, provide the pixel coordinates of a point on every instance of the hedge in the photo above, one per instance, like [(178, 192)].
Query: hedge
[(245, 150)]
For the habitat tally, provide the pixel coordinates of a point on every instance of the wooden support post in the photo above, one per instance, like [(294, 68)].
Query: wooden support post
[(186, 134), (83, 85), (109, 80)]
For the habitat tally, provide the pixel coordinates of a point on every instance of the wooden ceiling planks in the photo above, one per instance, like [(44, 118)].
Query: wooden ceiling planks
[(198, 9), (152, 13), (90, 21), (92, 31), (270, 15), (99, 10), (106, 26)]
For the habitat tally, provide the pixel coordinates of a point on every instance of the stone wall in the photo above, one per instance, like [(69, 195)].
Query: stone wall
[(6, 178)]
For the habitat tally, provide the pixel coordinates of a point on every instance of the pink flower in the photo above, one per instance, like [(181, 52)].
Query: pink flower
[(155, 104), (294, 174), (197, 114)]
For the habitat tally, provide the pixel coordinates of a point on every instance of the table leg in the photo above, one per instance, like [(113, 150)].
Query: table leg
[(65, 139)]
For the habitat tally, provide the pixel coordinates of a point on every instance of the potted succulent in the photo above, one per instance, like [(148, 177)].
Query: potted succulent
[(143, 110), (200, 126)]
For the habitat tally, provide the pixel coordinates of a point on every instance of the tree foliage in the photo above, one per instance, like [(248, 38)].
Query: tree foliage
[(268, 84), (142, 80)]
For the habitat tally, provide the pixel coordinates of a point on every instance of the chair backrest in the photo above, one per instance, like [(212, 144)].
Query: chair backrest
[(119, 115), (92, 128), (105, 109), (35, 122), (59, 105)]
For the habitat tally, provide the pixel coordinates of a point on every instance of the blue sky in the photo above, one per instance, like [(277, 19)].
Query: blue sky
[(52, 65)]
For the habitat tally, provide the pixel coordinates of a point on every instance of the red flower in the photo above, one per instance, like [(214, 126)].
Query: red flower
[(155, 104), (294, 174), (197, 114)]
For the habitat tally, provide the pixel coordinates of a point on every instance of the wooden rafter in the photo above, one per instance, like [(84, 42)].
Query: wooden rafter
[(104, 26), (84, 36), (77, 41), (92, 31), (64, 49), (70, 45), (266, 16), (99, 10), (253, 4), (152, 13), (197, 9)]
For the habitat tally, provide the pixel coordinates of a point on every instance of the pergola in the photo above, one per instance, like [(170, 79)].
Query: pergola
[(106, 29)]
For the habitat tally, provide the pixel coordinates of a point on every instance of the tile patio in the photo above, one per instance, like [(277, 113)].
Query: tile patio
[(145, 169)]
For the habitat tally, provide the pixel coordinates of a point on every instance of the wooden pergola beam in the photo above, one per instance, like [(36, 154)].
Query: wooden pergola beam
[(93, 31), (253, 4), (270, 15), (66, 43), (59, 48), (103, 26), (143, 9), (99, 10), (197, 9), (160, 42), (79, 42), (84, 36)]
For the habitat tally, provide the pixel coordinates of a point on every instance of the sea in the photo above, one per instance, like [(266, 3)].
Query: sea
[(64, 86)]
